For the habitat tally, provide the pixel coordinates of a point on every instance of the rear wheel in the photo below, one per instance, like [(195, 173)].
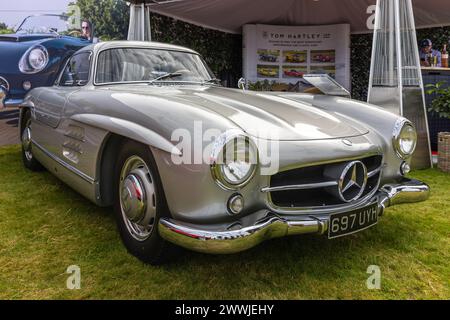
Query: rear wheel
[(26, 139), (139, 203)]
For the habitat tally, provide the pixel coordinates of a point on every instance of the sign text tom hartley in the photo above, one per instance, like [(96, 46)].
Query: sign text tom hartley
[(283, 54)]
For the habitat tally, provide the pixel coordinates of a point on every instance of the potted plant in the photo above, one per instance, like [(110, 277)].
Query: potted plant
[(441, 106)]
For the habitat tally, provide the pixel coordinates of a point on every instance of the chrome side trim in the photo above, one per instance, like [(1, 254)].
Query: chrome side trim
[(73, 147), (47, 119), (209, 239), (64, 164), (69, 135)]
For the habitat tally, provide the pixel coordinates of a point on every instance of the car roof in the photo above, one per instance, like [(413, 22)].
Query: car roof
[(134, 44)]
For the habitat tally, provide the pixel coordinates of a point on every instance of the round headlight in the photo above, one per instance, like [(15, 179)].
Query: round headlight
[(38, 59), (34, 60), (234, 160), (405, 139)]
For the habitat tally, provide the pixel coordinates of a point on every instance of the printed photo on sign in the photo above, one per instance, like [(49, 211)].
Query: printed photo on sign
[(294, 71), (276, 57), (267, 71), (330, 70), (323, 56), (294, 56), (265, 55)]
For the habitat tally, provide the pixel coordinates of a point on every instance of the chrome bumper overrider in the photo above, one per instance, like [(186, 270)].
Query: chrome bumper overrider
[(11, 103), (8, 102), (219, 241)]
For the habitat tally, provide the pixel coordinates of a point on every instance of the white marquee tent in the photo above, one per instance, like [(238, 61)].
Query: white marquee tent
[(231, 15)]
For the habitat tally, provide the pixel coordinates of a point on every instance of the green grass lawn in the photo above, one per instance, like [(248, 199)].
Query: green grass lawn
[(45, 227)]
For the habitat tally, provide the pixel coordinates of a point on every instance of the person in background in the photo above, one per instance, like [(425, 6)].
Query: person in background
[(426, 51), (87, 31)]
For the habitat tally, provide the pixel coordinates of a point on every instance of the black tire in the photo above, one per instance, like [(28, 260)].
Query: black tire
[(29, 161), (154, 249)]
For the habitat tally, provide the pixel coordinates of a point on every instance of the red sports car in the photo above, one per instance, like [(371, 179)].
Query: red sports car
[(293, 73)]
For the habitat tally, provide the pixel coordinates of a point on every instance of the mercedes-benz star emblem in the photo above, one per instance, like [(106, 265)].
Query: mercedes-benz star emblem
[(352, 181)]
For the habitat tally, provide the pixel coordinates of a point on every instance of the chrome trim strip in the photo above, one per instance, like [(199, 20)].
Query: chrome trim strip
[(68, 145), (224, 241), (333, 161), (64, 164), (313, 185), (325, 209), (374, 172), (78, 138), (300, 186)]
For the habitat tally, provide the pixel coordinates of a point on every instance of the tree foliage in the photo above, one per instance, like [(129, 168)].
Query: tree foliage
[(110, 17), (222, 51), (4, 28)]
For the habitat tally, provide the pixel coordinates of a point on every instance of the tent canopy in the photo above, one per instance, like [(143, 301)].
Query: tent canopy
[(231, 15)]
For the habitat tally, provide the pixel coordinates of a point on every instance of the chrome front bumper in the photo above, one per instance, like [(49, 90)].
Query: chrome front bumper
[(11, 103), (215, 241)]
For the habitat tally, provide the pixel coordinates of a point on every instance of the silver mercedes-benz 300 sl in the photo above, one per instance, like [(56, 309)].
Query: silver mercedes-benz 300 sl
[(145, 128)]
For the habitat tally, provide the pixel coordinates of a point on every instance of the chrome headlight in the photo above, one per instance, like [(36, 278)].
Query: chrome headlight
[(234, 160), (34, 60), (405, 138)]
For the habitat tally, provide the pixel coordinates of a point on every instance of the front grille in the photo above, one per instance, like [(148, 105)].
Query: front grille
[(310, 187), (4, 83)]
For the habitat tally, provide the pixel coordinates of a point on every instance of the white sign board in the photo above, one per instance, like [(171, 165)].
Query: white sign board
[(283, 54)]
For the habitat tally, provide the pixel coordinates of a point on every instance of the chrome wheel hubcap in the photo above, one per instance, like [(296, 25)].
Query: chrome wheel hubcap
[(26, 141), (137, 198)]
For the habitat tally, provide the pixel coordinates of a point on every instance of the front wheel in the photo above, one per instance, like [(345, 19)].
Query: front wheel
[(139, 203), (28, 159)]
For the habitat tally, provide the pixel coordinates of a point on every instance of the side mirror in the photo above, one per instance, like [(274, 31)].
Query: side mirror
[(242, 84)]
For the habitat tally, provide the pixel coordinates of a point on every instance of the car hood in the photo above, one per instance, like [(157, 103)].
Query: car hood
[(259, 114), (11, 52), (17, 37)]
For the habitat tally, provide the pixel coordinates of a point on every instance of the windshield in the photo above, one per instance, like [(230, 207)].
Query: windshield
[(46, 24), (150, 65)]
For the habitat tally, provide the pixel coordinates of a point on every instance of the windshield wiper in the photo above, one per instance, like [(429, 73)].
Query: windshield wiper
[(165, 76), (213, 80)]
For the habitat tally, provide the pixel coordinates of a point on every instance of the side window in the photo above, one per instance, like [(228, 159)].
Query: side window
[(76, 72)]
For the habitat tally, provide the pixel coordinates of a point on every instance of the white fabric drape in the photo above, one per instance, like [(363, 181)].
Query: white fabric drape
[(139, 28)]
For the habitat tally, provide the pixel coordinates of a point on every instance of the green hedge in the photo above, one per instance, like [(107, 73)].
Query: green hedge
[(221, 51)]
